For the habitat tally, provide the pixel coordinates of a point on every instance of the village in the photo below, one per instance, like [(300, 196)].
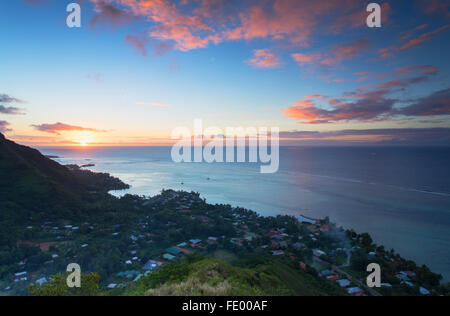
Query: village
[(167, 228)]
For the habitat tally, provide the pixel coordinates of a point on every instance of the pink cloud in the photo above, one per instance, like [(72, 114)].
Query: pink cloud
[(139, 42), (200, 23), (391, 50), (108, 14), (423, 38), (4, 127), (303, 59), (422, 69), (358, 18), (316, 96), (264, 58), (369, 104), (336, 54), (436, 7)]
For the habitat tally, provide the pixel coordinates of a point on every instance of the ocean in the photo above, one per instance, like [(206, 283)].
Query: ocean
[(401, 196)]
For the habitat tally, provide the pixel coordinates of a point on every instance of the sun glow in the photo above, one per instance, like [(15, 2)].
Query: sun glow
[(84, 139)]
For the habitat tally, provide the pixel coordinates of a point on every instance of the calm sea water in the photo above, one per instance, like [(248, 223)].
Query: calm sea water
[(400, 195)]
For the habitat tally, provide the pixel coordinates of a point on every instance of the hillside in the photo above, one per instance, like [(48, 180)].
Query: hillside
[(32, 185), (212, 277)]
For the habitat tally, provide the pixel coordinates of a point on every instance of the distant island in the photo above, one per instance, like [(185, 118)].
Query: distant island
[(174, 243)]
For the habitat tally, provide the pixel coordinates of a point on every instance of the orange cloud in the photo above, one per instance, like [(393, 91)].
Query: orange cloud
[(61, 127)]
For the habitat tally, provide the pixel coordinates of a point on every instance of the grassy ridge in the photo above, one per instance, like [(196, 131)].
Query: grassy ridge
[(212, 277)]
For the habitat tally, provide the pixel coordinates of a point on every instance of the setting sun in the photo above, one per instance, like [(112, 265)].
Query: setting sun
[(84, 139)]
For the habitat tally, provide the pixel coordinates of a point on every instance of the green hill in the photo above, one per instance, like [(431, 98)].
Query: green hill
[(32, 185), (212, 277)]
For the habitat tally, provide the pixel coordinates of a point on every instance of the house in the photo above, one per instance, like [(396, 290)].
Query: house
[(386, 284), (183, 244), (236, 241), (112, 286), (354, 290), (402, 277), (409, 274), (174, 251), (326, 273), (277, 253), (128, 262), (128, 274), (20, 274), (424, 291), (212, 239), (299, 245), (138, 277), (304, 219), (333, 277), (169, 257), (319, 253), (152, 265), (41, 281), (343, 283), (195, 241)]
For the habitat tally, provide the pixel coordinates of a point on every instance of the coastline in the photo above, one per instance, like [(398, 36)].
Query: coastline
[(396, 218)]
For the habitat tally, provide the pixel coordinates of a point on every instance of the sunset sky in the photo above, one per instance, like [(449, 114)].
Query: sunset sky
[(137, 69)]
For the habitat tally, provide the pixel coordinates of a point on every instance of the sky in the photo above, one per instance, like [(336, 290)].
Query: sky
[(137, 69)]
